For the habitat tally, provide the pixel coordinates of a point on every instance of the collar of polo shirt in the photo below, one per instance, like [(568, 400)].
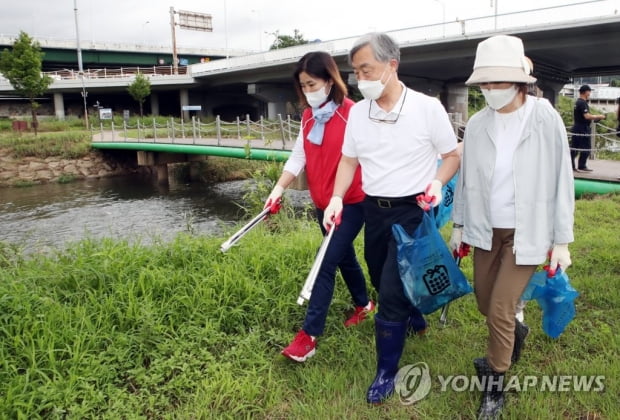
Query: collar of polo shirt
[(377, 112)]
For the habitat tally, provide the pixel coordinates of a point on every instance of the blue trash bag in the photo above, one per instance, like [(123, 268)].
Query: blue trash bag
[(443, 212), (556, 297), (427, 269)]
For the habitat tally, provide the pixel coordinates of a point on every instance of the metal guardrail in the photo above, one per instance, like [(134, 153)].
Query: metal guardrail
[(229, 133), (172, 131), (106, 73), (194, 131)]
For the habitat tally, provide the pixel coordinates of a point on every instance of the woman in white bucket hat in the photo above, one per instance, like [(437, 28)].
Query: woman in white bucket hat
[(514, 201)]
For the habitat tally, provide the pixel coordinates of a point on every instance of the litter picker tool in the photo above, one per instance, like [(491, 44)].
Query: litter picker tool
[(306, 291), (459, 254), (272, 209)]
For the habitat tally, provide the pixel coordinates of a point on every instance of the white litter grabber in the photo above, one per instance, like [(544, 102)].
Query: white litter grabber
[(272, 208), (306, 291), (245, 229)]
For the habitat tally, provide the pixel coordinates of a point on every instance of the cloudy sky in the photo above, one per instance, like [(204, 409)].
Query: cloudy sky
[(251, 24)]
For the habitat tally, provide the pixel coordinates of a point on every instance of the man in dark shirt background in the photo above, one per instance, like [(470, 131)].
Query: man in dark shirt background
[(581, 130)]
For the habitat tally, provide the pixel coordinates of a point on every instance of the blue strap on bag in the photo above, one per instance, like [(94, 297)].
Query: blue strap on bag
[(556, 297), (430, 276)]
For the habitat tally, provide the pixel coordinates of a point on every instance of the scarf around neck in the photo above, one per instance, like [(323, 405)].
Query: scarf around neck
[(321, 116)]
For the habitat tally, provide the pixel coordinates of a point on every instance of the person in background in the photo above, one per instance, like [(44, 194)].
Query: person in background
[(581, 139), (394, 134), (323, 93), (514, 202)]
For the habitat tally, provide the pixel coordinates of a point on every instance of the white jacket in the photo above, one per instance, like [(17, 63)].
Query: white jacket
[(543, 182)]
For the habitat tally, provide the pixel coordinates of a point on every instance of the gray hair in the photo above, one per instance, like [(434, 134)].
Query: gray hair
[(384, 48)]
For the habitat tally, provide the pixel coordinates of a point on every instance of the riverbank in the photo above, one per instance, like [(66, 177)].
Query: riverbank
[(28, 170), (21, 171), (109, 329)]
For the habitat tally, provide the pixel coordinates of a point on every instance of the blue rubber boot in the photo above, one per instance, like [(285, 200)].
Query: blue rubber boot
[(417, 323), (390, 340)]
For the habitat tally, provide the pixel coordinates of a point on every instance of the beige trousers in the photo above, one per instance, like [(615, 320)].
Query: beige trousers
[(498, 284)]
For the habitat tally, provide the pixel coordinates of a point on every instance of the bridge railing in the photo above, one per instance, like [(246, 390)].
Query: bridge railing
[(106, 73), (223, 133), (284, 129)]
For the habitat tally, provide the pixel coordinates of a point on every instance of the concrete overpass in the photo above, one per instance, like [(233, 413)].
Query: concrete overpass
[(435, 59), (61, 54), (441, 65)]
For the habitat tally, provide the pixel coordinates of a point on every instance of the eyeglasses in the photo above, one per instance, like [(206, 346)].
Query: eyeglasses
[(387, 121)]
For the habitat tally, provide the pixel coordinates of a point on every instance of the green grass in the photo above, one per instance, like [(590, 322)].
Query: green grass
[(109, 329), (66, 144)]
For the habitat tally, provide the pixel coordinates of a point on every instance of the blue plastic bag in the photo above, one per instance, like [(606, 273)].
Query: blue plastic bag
[(428, 271), (556, 297)]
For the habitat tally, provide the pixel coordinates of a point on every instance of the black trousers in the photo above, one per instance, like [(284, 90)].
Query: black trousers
[(581, 140), (380, 251)]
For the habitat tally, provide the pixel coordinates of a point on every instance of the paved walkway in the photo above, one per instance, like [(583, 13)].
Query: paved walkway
[(604, 170)]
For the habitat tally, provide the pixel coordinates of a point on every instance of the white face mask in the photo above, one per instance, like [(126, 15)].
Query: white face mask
[(318, 97), (372, 89), (499, 98)]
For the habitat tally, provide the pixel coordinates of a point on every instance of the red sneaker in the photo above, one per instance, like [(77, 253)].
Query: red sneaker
[(301, 348), (360, 314)]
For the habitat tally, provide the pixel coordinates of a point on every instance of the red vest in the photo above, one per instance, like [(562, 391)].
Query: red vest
[(322, 161)]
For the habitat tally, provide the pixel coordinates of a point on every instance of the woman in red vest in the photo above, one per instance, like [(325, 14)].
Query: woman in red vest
[(323, 94)]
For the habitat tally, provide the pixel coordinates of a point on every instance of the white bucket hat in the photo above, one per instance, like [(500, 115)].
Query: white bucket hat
[(500, 58)]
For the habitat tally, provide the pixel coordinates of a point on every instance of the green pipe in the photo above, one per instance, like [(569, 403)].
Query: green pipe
[(232, 152), (589, 186), (582, 186)]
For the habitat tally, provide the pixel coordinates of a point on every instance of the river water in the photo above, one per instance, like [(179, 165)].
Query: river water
[(43, 217)]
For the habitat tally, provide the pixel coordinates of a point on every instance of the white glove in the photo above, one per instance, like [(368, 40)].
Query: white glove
[(274, 196), (456, 238), (432, 195), (333, 212), (560, 256)]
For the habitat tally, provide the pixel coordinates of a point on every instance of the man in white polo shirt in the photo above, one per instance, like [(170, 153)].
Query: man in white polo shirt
[(395, 134)]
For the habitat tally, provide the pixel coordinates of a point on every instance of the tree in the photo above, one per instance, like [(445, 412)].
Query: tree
[(22, 66), (139, 89), (283, 41), (475, 100)]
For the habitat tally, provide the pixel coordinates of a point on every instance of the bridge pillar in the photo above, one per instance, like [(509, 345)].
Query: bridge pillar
[(184, 99), (551, 89), (456, 101), (195, 166), (275, 108), (162, 173), (160, 161), (154, 104), (275, 96), (59, 106)]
